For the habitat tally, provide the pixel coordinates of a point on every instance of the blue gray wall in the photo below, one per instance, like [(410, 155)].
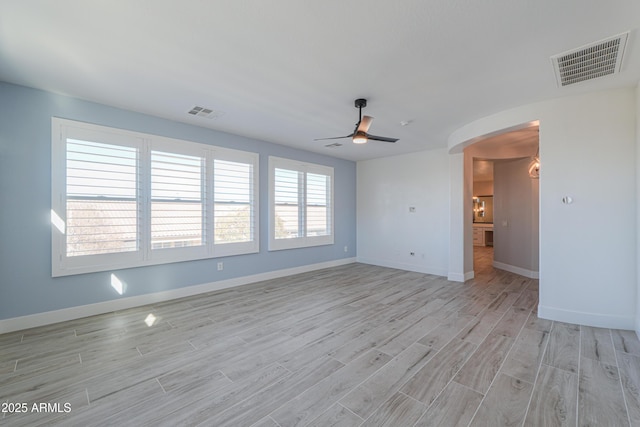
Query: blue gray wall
[(26, 285)]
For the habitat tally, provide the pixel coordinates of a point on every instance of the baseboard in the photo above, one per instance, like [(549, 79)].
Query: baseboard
[(461, 277), (454, 277), (517, 270), (71, 313), (597, 320), (403, 266)]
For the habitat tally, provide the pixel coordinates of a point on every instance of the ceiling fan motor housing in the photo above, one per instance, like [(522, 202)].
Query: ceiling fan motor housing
[(359, 134)]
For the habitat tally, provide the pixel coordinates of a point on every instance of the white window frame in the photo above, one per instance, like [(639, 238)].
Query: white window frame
[(304, 240), (237, 248), (62, 265)]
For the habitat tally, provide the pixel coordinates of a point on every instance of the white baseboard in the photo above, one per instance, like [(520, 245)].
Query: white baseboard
[(71, 313), (403, 266), (517, 270), (461, 277), (597, 320)]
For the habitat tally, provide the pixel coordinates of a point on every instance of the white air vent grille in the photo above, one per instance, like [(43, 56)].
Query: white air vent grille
[(205, 112), (598, 59)]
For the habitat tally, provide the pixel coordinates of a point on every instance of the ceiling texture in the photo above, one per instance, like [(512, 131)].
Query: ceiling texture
[(288, 71)]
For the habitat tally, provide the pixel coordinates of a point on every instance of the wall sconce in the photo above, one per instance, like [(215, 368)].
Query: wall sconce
[(478, 207)]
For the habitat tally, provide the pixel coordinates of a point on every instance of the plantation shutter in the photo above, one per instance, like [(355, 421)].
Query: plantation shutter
[(176, 200), (288, 199), (318, 205), (123, 199), (301, 204), (234, 202), (101, 198)]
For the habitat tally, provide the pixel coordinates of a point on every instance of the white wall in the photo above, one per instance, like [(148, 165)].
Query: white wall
[(638, 206), (588, 250), (588, 257), (461, 215), (387, 231)]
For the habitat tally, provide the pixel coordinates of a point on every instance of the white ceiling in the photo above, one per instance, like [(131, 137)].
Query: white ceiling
[(288, 71), (505, 146)]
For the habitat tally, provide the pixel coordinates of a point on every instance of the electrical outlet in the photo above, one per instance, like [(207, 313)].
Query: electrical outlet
[(220, 266), (346, 249), (412, 209), (412, 253)]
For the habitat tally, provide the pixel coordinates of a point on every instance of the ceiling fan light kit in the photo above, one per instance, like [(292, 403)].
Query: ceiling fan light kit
[(360, 138), (359, 134)]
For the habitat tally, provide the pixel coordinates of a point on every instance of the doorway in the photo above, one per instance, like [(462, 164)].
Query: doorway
[(505, 202), (483, 214)]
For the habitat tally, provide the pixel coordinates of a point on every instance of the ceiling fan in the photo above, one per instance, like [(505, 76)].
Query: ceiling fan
[(360, 135)]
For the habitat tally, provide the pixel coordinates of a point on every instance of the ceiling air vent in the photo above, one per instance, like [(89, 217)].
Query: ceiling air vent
[(334, 145), (205, 112), (595, 60)]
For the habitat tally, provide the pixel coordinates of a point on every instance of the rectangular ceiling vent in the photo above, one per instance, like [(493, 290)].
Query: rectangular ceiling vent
[(334, 145), (595, 60), (205, 112)]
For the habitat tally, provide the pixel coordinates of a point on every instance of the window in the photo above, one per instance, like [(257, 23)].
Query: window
[(177, 200), (124, 199), (102, 201), (233, 202), (301, 204)]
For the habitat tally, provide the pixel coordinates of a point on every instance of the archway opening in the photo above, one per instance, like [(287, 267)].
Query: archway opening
[(505, 214)]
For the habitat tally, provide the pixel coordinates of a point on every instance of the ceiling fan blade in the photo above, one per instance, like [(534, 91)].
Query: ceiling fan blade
[(381, 138), (359, 134), (363, 125), (335, 137)]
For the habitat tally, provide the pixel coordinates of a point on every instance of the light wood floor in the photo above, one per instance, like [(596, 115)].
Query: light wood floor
[(348, 346)]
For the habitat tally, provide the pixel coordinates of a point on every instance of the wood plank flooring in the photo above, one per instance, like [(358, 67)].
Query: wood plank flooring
[(356, 345)]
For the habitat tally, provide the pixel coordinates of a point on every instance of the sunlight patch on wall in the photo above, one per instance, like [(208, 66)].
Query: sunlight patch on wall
[(57, 222), (118, 284)]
